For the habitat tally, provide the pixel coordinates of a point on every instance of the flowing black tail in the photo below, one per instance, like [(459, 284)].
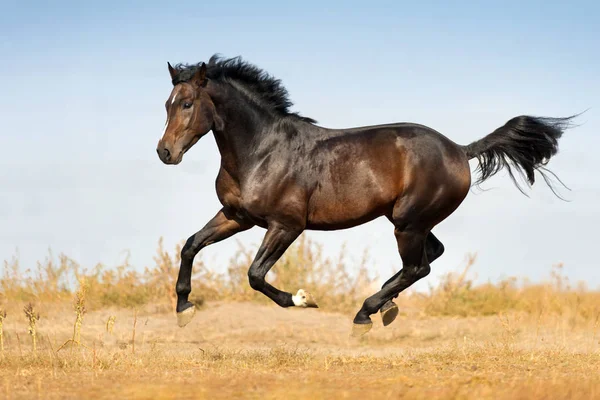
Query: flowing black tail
[(524, 144)]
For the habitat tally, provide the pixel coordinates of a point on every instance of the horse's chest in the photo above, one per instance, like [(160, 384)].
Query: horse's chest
[(247, 200), (228, 190), (257, 198)]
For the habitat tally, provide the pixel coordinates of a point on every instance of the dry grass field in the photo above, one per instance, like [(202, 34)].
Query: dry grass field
[(506, 340)]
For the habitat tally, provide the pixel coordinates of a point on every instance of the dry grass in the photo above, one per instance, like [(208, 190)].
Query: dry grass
[(454, 372), (507, 340), (248, 350), (457, 296)]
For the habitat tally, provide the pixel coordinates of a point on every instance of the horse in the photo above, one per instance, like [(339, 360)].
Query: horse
[(282, 172)]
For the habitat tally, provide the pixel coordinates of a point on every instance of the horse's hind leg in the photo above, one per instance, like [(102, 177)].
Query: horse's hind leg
[(411, 245), (434, 249)]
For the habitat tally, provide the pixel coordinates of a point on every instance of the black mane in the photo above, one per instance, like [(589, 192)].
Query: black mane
[(265, 89)]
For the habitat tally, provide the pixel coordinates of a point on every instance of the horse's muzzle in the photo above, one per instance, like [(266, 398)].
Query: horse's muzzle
[(164, 154)]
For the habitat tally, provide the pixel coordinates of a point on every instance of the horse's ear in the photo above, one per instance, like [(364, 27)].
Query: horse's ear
[(200, 76), (172, 71)]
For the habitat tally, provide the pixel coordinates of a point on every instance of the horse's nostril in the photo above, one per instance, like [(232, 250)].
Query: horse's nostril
[(163, 153)]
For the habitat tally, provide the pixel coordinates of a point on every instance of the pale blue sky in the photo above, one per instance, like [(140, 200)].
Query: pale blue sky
[(82, 91)]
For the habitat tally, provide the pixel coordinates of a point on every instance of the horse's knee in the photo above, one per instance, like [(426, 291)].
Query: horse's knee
[(192, 247), (188, 252), (256, 281)]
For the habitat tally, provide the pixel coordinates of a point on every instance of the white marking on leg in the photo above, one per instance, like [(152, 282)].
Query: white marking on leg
[(300, 298)]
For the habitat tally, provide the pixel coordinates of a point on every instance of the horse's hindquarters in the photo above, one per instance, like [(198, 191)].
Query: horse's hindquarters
[(370, 176)]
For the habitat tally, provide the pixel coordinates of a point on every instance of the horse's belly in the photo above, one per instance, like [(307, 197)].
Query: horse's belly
[(331, 223), (329, 210), (356, 189)]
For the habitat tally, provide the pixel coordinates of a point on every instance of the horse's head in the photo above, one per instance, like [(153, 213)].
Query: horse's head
[(191, 114)]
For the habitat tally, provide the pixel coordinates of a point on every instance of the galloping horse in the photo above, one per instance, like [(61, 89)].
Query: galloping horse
[(282, 172)]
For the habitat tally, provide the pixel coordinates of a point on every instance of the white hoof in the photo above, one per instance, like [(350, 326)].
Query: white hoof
[(304, 299), (359, 330), (184, 317)]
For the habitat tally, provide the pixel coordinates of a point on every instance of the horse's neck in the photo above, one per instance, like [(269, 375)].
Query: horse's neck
[(231, 156), (242, 129)]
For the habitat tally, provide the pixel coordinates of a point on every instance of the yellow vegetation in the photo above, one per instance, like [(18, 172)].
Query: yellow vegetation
[(506, 340)]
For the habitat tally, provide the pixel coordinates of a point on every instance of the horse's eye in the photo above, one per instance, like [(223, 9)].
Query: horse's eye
[(187, 105)]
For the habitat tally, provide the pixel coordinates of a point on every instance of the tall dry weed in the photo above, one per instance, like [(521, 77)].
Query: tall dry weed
[(337, 285), (457, 295), (32, 318), (2, 318)]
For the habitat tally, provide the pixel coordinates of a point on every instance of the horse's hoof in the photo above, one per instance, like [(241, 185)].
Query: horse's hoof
[(184, 317), (304, 299), (359, 330), (389, 314)]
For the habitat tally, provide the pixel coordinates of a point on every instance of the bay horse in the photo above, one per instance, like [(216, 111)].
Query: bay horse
[(282, 172)]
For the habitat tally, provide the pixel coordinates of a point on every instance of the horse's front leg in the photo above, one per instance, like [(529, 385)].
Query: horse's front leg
[(276, 241), (222, 226)]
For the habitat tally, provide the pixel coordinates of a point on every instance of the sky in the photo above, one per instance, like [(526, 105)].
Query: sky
[(83, 86)]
